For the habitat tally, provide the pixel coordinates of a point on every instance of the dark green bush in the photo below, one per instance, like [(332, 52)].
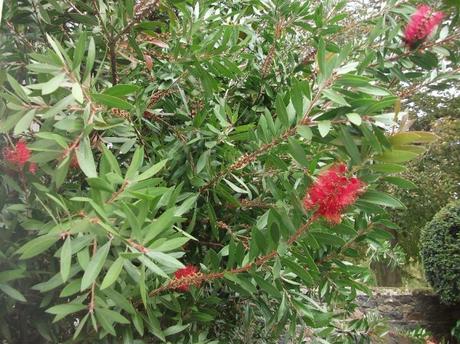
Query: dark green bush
[(440, 249)]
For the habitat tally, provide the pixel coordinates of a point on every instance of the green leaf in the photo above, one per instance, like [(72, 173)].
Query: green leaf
[(66, 309), (165, 259), (374, 91), (79, 51), (171, 244), (152, 266), (77, 92), (90, 58), (297, 152), (175, 329), (164, 222), (152, 170), (401, 182), (136, 163), (105, 323), (186, 205), (37, 246), (95, 266), (121, 90), (111, 101), (24, 123), (112, 316), (267, 287), (387, 168), (113, 273), (18, 89), (242, 282), (412, 137), (85, 158), (381, 198), (384, 103), (298, 270), (335, 97), (305, 132), (350, 145), (324, 127), (53, 84), (12, 292), (281, 111), (80, 326), (354, 118), (66, 258), (396, 156)]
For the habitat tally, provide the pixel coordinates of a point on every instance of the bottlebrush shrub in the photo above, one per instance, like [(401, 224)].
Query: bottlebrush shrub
[(440, 251), (201, 165)]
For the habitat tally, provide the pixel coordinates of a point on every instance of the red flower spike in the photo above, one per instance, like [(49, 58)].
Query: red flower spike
[(18, 155), (33, 168), (332, 192), (183, 273), (74, 162), (421, 25)]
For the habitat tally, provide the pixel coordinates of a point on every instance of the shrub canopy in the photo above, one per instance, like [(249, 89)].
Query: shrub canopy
[(158, 154), (440, 250)]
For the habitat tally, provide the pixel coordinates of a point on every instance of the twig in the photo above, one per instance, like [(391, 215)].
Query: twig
[(145, 8), (92, 303), (199, 278)]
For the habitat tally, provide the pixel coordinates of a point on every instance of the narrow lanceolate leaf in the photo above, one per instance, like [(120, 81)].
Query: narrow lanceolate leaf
[(387, 168), (112, 316), (297, 152), (381, 198), (53, 84), (12, 292), (298, 270), (66, 309), (281, 111), (350, 145), (159, 225), (401, 182), (18, 89), (85, 158), (113, 273), (111, 101), (121, 90), (95, 266), (324, 127), (37, 246), (136, 163), (152, 170), (396, 156), (66, 258), (354, 118), (77, 92), (24, 123), (305, 132)]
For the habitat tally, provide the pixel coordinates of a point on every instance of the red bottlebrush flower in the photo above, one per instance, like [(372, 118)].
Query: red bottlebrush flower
[(18, 155), (33, 168), (74, 162), (421, 25), (148, 62), (184, 273), (332, 192)]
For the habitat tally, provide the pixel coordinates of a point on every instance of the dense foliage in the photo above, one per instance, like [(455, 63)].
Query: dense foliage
[(164, 163), (440, 115), (440, 250)]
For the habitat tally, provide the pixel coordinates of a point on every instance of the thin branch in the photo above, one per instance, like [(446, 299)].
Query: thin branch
[(199, 278), (92, 302), (145, 8)]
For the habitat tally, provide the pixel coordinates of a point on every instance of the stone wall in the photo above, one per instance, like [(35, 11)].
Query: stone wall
[(407, 310)]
